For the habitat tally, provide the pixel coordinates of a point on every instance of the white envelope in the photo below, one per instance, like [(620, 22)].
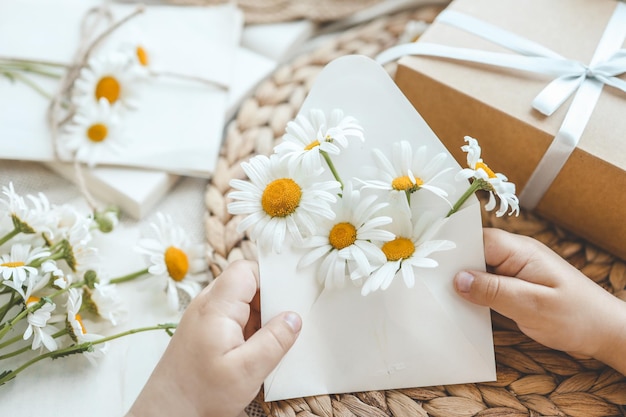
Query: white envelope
[(400, 337), (177, 126)]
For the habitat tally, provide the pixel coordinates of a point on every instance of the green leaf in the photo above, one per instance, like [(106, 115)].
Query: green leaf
[(4, 374)]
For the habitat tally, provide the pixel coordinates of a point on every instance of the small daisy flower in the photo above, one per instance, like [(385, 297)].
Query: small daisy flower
[(345, 244), (138, 53), (308, 138), (14, 266), (485, 179), (173, 256), (38, 327), (113, 78), (280, 199), (409, 250), (105, 301), (77, 330), (33, 218), (94, 128), (72, 231), (409, 171)]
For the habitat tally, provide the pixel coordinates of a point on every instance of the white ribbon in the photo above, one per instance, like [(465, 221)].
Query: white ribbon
[(572, 77)]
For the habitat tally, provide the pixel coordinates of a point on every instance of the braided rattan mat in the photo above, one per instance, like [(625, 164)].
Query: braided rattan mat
[(532, 379)]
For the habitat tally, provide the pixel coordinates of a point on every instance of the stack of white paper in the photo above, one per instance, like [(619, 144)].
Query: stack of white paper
[(177, 125)]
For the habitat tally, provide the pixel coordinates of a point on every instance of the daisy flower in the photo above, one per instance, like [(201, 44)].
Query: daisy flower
[(410, 249), (409, 171), (308, 138), (77, 330), (14, 266), (94, 128), (104, 300), (345, 244), (33, 218), (72, 231), (485, 179), (280, 198), (174, 257), (38, 327), (113, 78), (139, 49)]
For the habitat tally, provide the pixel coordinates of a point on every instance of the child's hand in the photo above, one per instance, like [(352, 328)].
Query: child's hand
[(218, 357), (550, 300)]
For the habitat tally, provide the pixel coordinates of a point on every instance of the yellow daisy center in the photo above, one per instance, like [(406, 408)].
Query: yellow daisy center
[(142, 56), (488, 170), (177, 263), (281, 197), (109, 88), (404, 183), (342, 235), (97, 132), (32, 299), (13, 264), (79, 319), (399, 248), (312, 145)]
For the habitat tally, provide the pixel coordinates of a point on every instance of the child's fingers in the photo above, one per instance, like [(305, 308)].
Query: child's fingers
[(511, 297), (522, 257), (231, 293), (238, 282), (263, 351)]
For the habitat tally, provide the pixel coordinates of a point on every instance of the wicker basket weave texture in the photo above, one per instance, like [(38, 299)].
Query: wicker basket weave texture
[(532, 380)]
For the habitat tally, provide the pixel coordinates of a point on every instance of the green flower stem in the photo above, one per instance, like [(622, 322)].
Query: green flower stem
[(82, 347), (129, 277), (14, 68), (55, 256), (10, 342), (16, 352), (25, 348), (8, 306), (474, 186), (36, 87), (19, 61), (9, 236), (9, 324), (332, 168)]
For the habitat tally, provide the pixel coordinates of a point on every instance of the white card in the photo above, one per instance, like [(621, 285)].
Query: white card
[(177, 125)]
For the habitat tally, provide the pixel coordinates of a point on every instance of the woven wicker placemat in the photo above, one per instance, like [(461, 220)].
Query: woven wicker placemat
[(532, 379)]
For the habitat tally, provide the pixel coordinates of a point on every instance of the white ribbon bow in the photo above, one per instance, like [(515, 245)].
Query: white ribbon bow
[(586, 81)]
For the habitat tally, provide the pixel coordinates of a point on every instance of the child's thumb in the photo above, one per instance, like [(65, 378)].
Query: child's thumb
[(504, 294), (265, 348)]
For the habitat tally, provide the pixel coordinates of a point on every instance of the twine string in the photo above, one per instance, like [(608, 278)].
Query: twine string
[(55, 116)]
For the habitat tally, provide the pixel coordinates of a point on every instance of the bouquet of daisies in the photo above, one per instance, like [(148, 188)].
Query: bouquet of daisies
[(52, 284), (364, 230)]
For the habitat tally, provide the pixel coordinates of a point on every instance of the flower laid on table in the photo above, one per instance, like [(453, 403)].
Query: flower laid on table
[(53, 287), (175, 258), (113, 77), (95, 127), (366, 235)]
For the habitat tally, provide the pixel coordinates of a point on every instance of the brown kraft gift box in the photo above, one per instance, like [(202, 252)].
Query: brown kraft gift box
[(457, 98)]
